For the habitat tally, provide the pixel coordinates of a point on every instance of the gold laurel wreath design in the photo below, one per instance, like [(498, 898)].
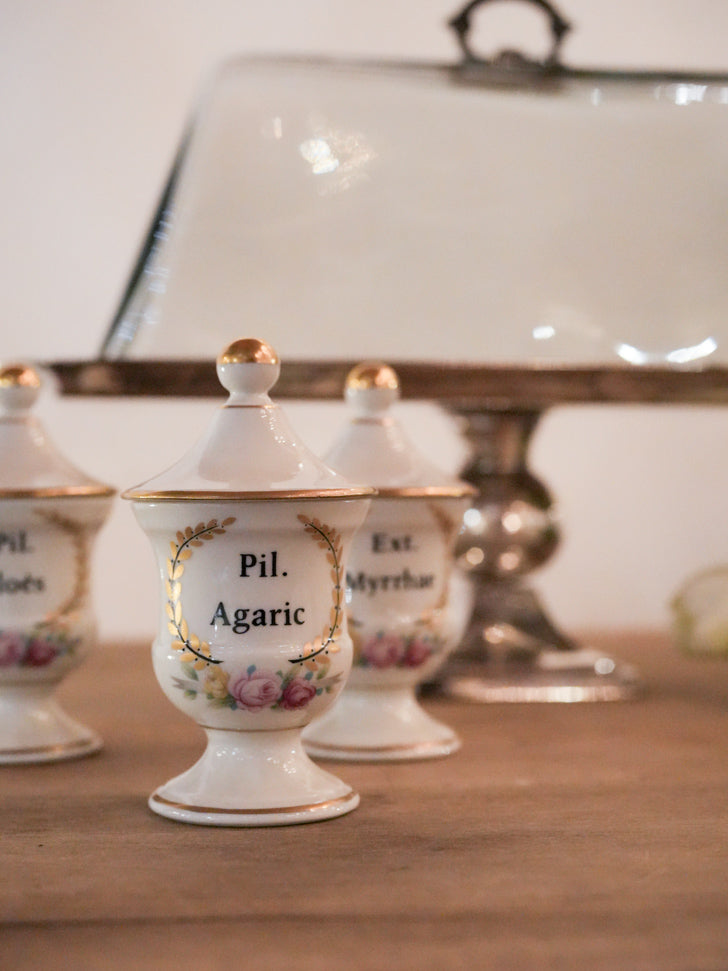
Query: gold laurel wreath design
[(447, 526), (328, 539), (198, 651), (191, 646), (77, 533)]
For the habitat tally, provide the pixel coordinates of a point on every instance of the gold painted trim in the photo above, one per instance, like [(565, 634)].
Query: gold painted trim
[(256, 405), (456, 491), (327, 804), (87, 744), (58, 492), (317, 748), (177, 495)]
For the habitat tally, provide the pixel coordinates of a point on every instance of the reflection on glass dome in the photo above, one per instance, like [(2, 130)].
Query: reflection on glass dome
[(680, 355), (395, 212), (334, 151)]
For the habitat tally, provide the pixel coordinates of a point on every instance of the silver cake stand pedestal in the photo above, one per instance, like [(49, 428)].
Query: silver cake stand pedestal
[(512, 650)]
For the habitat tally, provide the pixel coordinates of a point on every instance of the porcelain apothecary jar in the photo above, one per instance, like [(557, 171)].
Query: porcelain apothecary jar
[(402, 619), (251, 533), (49, 515)]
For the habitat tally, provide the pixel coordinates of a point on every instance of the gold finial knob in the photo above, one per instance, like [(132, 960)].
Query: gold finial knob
[(372, 388), (248, 368), (18, 376), (19, 388), (372, 374), (248, 350)]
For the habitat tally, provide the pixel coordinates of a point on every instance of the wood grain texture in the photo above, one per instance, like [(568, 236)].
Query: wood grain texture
[(560, 836)]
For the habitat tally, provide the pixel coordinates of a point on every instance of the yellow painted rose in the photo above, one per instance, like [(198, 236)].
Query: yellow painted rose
[(215, 682)]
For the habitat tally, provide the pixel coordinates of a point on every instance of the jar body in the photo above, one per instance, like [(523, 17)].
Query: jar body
[(252, 631), (47, 625), (398, 580), (403, 624), (46, 621)]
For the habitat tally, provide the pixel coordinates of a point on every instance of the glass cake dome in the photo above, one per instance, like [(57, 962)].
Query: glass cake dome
[(442, 213)]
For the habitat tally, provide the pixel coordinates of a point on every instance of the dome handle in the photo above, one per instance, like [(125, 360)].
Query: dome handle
[(510, 59)]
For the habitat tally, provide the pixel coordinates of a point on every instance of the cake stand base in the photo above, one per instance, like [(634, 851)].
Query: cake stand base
[(260, 778), (379, 726), (550, 675)]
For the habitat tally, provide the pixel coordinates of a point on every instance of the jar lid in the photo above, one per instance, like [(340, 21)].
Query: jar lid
[(32, 467), (250, 451), (374, 446)]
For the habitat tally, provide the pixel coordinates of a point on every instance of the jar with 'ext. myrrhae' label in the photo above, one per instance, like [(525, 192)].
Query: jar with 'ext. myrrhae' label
[(402, 617)]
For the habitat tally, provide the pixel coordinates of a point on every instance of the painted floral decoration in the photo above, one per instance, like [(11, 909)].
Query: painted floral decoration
[(34, 650), (388, 650), (255, 689)]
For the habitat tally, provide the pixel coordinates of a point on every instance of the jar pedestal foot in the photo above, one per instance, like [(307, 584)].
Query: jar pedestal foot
[(379, 725), (34, 728), (262, 778)]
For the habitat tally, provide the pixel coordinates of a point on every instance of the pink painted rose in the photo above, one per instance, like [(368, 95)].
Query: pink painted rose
[(297, 694), (40, 653), (417, 653), (12, 647), (255, 690), (383, 651)]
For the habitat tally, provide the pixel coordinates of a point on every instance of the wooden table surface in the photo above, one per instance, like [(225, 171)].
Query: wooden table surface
[(560, 836)]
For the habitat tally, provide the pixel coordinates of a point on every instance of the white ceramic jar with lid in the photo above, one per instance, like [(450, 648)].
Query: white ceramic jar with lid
[(50, 513), (251, 533), (401, 616)]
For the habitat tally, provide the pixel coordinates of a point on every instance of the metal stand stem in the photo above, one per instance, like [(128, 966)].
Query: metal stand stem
[(512, 651)]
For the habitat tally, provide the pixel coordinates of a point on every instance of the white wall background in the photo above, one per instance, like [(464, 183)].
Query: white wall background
[(93, 97)]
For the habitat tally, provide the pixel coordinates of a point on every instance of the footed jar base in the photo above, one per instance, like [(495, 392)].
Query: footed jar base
[(379, 725), (34, 728), (260, 778)]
